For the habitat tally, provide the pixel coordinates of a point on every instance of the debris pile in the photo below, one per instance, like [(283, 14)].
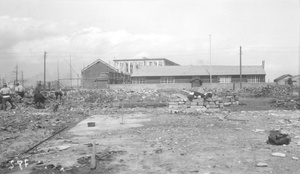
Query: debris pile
[(269, 91), (199, 104), (286, 103), (278, 138)]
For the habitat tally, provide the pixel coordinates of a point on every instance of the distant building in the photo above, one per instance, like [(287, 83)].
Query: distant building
[(296, 80), (100, 74), (282, 80), (188, 74), (130, 65)]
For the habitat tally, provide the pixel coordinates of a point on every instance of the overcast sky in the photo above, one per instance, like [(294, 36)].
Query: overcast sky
[(179, 30)]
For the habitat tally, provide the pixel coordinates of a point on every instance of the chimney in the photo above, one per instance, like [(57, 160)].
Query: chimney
[(263, 64)]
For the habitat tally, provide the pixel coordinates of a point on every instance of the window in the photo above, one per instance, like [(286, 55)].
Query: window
[(255, 79), (167, 80), (160, 63), (139, 80), (141, 64), (225, 79), (131, 68), (126, 67)]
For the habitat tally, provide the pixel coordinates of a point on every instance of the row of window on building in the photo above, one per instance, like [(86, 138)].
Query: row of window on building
[(221, 79), (130, 66)]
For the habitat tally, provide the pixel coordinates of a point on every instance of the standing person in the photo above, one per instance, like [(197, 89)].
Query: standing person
[(38, 89), (20, 90), (39, 100), (58, 94), (6, 92)]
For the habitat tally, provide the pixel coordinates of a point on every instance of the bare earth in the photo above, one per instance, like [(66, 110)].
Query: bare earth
[(154, 141)]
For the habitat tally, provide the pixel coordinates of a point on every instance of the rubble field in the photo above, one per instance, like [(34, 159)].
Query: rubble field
[(150, 131)]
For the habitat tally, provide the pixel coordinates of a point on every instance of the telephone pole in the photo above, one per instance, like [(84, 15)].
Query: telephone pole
[(17, 73), (58, 75), (210, 76), (70, 71), (240, 67), (45, 54), (22, 78)]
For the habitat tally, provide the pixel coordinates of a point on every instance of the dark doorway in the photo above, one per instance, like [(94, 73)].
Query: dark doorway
[(196, 82)]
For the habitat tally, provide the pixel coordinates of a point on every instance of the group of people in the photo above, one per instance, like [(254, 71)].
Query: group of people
[(39, 99), (5, 94)]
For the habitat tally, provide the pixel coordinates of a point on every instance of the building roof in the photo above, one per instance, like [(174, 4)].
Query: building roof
[(97, 61), (145, 58), (149, 71), (296, 77), (282, 77)]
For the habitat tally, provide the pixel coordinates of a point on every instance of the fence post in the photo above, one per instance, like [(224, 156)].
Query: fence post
[(234, 86)]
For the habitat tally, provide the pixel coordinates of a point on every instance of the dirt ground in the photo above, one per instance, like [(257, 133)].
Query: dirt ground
[(151, 140)]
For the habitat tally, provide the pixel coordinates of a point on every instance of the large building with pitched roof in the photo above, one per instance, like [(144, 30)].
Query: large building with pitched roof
[(100, 74), (186, 74)]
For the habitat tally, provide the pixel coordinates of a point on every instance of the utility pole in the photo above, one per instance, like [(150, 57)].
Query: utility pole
[(210, 74), (17, 73), (240, 67), (58, 75), (78, 81), (22, 78), (45, 53), (70, 71)]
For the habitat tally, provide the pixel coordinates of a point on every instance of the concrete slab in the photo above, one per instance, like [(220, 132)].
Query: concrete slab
[(65, 152), (103, 122)]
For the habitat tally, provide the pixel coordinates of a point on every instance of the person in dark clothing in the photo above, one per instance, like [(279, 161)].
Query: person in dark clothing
[(37, 89), (58, 94), (39, 99)]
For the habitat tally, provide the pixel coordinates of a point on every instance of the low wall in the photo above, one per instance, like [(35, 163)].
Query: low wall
[(150, 86), (186, 86), (235, 85)]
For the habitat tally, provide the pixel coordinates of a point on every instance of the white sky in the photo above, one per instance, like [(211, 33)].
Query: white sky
[(177, 30)]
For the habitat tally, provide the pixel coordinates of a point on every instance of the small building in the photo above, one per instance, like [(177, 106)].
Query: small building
[(100, 74), (130, 65), (296, 80), (282, 80), (188, 74)]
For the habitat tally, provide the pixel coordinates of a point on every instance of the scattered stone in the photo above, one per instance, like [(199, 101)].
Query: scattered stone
[(158, 151), (295, 158), (261, 164), (278, 154), (259, 130), (62, 147)]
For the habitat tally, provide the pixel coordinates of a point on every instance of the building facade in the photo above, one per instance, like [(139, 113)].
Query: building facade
[(296, 80), (130, 65), (282, 80), (99, 74), (188, 74)]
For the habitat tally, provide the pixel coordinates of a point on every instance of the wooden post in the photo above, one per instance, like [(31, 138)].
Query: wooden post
[(93, 157), (240, 67), (3, 103), (122, 106), (45, 55)]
